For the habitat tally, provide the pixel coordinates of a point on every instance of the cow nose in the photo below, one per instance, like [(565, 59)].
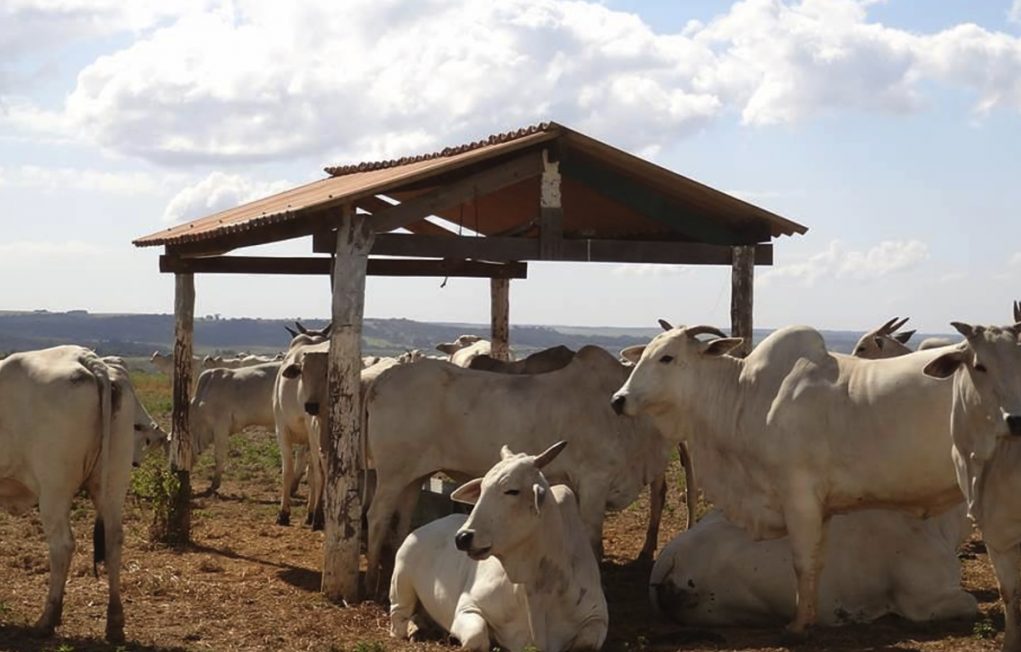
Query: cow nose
[(618, 403), (312, 408), (1013, 424), (463, 539)]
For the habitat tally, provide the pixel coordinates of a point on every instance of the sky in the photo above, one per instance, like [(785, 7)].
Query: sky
[(892, 129)]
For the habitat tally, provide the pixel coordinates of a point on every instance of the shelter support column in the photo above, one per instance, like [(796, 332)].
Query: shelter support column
[(551, 212), (343, 463), (742, 281), (499, 292), (178, 517)]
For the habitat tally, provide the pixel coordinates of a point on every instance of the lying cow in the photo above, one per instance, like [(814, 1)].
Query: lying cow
[(460, 417), (465, 349), (228, 401), (526, 577), (70, 420), (878, 562), (985, 374)]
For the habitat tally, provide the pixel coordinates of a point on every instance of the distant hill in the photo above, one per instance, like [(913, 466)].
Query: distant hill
[(140, 335)]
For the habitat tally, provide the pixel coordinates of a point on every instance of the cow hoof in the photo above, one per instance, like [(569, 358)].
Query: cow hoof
[(42, 630), (793, 636), (115, 634), (283, 518), (318, 523)]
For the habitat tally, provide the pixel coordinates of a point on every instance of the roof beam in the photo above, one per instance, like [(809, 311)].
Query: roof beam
[(654, 205), (572, 250), (375, 204), (481, 183), (321, 266)]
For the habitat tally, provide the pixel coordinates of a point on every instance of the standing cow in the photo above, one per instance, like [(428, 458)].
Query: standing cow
[(70, 420)]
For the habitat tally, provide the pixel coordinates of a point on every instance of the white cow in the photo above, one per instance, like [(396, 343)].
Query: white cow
[(986, 424), (70, 420), (237, 362), (793, 434), (884, 341), (433, 416), (164, 363), (878, 562), (227, 401), (465, 349), (529, 578)]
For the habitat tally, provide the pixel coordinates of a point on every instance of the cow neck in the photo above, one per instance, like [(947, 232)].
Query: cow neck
[(717, 399), (549, 548)]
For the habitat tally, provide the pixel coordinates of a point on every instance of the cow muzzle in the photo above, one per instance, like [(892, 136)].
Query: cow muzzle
[(463, 540), (618, 402), (312, 407), (1013, 424)]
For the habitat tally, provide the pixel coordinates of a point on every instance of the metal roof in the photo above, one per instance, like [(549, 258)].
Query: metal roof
[(606, 193)]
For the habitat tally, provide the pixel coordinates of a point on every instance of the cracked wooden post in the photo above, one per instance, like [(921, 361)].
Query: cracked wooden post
[(742, 281), (178, 516), (499, 293), (343, 501)]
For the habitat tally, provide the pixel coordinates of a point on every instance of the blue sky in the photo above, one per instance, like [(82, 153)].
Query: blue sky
[(891, 132)]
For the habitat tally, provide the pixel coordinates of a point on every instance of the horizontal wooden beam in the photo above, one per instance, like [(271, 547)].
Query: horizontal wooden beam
[(321, 266), (572, 250), (302, 225), (481, 183)]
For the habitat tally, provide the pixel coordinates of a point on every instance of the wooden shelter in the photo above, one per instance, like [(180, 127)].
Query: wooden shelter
[(543, 193)]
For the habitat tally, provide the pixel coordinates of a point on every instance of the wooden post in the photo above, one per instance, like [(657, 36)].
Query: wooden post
[(499, 292), (343, 502), (551, 212), (178, 517), (742, 279)]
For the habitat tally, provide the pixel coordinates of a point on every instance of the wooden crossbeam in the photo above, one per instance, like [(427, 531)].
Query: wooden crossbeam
[(321, 266)]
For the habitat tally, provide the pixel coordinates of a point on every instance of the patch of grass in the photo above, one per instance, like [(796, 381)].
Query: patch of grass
[(155, 484), (984, 629), (370, 646), (5, 611), (154, 391)]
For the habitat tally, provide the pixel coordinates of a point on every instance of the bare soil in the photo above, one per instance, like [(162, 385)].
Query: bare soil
[(248, 584)]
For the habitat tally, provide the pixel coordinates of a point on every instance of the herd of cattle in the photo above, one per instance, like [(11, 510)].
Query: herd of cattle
[(842, 484)]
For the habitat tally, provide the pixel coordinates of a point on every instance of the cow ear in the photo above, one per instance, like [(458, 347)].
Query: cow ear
[(904, 337), (632, 353), (449, 348), (964, 329), (539, 492), (879, 342), (468, 493), (548, 455), (945, 365), (722, 346), (291, 371)]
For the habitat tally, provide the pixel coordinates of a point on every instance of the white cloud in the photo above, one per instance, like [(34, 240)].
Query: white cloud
[(1015, 260), (837, 262), (259, 80), (217, 192), (63, 178), (28, 251), (1014, 13), (649, 270)]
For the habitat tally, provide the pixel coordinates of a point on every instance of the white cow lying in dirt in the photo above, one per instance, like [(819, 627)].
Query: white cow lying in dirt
[(70, 420), (465, 349), (527, 576), (878, 562)]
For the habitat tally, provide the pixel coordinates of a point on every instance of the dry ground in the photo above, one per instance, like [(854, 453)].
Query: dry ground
[(247, 584)]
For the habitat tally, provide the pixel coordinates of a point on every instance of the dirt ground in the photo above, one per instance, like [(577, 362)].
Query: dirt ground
[(248, 584)]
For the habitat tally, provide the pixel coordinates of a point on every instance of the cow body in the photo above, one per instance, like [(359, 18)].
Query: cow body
[(238, 362), (227, 401), (462, 416), (534, 582), (539, 362), (793, 433), (465, 348), (70, 420), (878, 562)]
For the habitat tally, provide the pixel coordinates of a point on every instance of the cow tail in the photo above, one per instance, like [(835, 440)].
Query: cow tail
[(102, 375)]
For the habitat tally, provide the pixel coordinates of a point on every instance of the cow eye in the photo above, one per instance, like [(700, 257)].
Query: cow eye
[(980, 368), (512, 492), (667, 359)]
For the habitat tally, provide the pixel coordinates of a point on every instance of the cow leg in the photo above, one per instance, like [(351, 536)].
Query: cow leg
[(470, 629), (806, 529), (220, 446), (592, 510), (1006, 564), (403, 600), (657, 497), (114, 532), (300, 467), (381, 511), (287, 476), (690, 486), (55, 516)]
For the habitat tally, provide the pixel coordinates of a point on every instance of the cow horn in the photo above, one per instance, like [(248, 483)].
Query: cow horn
[(665, 325), (290, 330), (1017, 312), (327, 329), (695, 331), (301, 327), (897, 326), (887, 328)]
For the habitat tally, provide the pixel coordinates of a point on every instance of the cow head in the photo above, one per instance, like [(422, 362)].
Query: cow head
[(148, 436), (670, 366), (987, 390), (312, 368), (884, 342), (508, 503), (450, 348)]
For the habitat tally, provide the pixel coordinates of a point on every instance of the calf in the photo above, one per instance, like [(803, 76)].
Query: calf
[(526, 576), (70, 420)]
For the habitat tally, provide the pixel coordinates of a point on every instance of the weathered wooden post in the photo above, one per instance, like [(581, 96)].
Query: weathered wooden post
[(499, 313), (178, 517), (742, 280), (551, 212), (343, 501)]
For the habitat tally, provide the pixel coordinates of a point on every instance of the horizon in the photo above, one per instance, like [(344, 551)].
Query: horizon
[(891, 133)]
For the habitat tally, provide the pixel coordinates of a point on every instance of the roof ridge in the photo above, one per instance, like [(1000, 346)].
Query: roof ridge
[(494, 139)]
